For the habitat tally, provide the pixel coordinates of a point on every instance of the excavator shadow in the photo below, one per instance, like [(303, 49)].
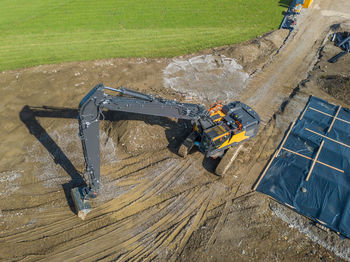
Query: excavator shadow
[(28, 116)]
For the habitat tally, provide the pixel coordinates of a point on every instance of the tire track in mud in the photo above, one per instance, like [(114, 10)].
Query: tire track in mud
[(156, 216), (164, 215), (169, 215)]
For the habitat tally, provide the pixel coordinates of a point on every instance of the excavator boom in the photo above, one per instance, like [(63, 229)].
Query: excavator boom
[(90, 111)]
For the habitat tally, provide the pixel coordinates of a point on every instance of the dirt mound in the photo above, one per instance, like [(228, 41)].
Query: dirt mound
[(337, 86), (138, 134), (253, 54)]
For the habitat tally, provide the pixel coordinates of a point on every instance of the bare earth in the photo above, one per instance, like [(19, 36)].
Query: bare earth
[(155, 204)]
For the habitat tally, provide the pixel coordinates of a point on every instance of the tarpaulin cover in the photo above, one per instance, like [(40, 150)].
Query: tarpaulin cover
[(325, 197)]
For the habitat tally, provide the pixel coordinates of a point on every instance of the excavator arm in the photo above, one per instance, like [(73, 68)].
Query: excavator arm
[(90, 111)]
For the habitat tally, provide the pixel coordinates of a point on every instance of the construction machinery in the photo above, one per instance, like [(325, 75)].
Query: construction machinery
[(214, 130), (342, 40), (290, 16)]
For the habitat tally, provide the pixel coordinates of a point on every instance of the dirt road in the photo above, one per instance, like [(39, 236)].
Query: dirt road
[(155, 204), (296, 58)]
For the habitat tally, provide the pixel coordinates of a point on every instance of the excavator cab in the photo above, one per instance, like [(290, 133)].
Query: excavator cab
[(227, 126), (212, 139)]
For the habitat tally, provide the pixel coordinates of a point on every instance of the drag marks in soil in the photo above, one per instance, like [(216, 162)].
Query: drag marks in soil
[(160, 206)]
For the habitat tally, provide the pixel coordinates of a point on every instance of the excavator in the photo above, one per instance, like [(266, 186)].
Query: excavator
[(214, 130)]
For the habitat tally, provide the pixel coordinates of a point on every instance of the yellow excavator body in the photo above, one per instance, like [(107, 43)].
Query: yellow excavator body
[(307, 3)]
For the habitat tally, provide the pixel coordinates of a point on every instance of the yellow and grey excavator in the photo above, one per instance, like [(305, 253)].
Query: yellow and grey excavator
[(214, 130)]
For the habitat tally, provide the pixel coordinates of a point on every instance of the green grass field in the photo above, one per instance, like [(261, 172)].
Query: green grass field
[(36, 32)]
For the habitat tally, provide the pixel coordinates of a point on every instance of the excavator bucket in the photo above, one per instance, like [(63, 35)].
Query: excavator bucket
[(82, 205)]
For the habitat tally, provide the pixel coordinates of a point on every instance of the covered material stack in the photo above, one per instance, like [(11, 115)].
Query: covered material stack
[(310, 171)]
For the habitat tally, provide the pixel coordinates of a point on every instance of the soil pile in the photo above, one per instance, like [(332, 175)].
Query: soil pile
[(138, 134), (252, 55), (337, 86)]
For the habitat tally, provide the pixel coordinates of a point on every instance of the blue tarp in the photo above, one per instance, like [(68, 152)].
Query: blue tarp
[(325, 197)]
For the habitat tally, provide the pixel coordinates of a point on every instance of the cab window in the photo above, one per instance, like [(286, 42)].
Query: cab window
[(218, 142)]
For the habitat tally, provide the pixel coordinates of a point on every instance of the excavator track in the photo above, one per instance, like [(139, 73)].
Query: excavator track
[(227, 160)]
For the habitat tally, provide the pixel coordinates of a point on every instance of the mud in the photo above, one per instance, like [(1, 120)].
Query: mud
[(155, 204)]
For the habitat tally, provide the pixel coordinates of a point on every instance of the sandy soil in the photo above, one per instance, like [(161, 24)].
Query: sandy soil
[(156, 205)]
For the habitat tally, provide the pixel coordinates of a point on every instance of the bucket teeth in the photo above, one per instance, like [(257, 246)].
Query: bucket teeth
[(82, 205)]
